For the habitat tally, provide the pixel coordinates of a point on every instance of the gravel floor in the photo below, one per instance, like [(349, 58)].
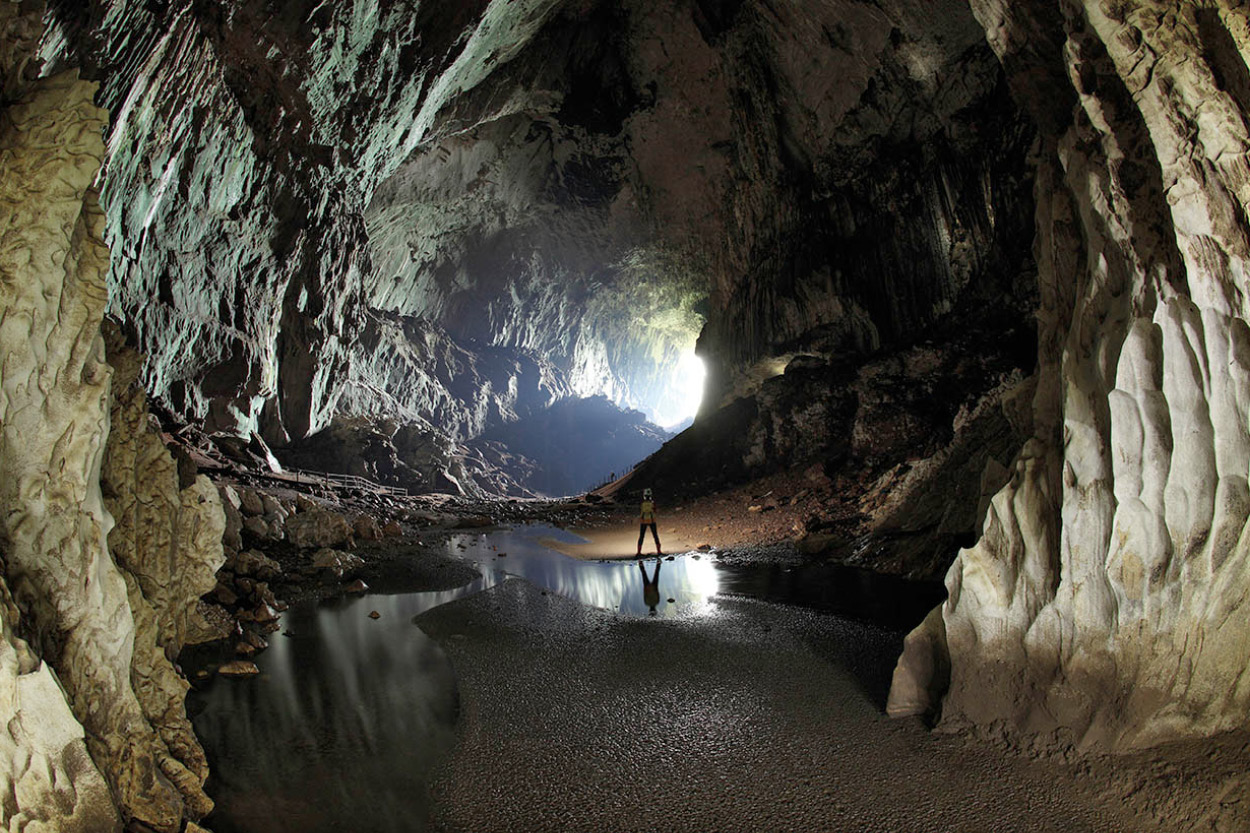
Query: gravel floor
[(759, 718)]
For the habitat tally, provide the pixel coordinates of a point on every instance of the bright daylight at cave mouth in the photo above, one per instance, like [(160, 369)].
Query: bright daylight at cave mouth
[(348, 349), (687, 392)]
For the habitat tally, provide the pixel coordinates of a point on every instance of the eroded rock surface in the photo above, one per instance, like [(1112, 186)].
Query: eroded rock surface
[(106, 632), (55, 419), (1105, 601), (167, 541)]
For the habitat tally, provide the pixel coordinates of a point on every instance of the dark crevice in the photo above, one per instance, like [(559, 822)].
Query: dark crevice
[(1224, 58)]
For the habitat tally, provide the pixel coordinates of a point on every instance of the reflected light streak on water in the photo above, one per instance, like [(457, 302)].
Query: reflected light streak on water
[(612, 585)]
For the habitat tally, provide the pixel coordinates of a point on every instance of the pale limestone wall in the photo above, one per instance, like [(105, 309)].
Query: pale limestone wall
[(1108, 600), (77, 607), (52, 425), (167, 542)]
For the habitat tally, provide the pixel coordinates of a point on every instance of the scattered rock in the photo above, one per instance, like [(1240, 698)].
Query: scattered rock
[(232, 538), (239, 668), (225, 594), (703, 547), (263, 613), (255, 563), (373, 614), (273, 507), (392, 529), (336, 563), (357, 587), (256, 526)]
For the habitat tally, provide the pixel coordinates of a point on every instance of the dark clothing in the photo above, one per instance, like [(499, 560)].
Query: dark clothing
[(642, 533)]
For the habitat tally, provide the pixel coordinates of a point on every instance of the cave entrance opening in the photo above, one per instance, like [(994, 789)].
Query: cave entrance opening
[(678, 408)]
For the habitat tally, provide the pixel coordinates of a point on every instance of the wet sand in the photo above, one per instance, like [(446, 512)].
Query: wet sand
[(759, 717)]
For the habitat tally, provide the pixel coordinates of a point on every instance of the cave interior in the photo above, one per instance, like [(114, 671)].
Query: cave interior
[(950, 290)]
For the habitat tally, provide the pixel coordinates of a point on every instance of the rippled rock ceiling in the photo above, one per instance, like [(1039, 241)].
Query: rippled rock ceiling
[(994, 250), (580, 184)]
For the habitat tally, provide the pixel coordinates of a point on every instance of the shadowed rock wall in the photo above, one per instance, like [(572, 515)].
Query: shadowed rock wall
[(1106, 601)]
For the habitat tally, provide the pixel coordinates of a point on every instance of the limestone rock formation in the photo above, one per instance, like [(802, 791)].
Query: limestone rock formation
[(1106, 599), (107, 632), (314, 254), (50, 779), (167, 541)]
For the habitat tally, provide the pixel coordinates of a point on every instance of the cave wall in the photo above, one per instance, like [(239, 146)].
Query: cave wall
[(1106, 601), (824, 177), (244, 149), (86, 640), (881, 179)]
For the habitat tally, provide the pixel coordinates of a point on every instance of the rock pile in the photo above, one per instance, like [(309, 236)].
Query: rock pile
[(271, 543)]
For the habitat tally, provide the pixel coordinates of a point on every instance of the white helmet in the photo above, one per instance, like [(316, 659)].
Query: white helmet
[(646, 494)]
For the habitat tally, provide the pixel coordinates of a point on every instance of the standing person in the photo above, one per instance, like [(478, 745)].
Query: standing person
[(647, 518)]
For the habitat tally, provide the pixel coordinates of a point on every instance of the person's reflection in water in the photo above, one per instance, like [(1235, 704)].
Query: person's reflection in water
[(651, 589)]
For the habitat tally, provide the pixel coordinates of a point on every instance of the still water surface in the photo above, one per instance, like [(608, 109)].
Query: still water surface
[(350, 716)]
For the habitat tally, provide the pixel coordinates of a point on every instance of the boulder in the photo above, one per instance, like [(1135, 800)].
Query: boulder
[(318, 528), (336, 563), (366, 528), (230, 503), (251, 503), (257, 526), (273, 507), (224, 594), (255, 563), (239, 668)]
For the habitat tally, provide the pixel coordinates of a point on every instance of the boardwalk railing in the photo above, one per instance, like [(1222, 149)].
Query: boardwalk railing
[(349, 481)]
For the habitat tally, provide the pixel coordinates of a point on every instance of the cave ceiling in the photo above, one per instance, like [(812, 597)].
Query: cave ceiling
[(581, 188)]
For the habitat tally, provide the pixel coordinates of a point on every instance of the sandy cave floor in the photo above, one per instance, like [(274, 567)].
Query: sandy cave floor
[(761, 717)]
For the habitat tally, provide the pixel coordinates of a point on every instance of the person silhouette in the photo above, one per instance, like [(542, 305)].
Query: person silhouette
[(651, 589), (646, 517)]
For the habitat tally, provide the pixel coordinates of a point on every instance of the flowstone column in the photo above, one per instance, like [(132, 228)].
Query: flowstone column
[(54, 418), (1108, 600)]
